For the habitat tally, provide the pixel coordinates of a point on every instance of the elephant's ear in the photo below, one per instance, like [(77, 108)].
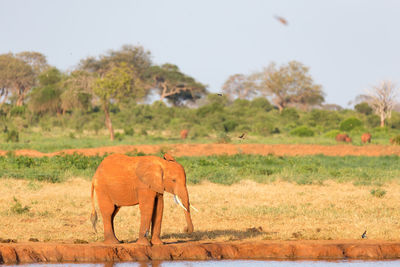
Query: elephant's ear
[(168, 157), (151, 175)]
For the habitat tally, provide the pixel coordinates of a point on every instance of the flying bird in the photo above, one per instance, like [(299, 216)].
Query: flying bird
[(242, 135), (364, 235), (219, 94), (281, 20)]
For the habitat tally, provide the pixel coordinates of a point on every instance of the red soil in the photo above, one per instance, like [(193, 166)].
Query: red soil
[(229, 149), (60, 252)]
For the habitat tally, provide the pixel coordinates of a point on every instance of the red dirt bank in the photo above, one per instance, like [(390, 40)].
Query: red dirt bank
[(58, 252), (229, 149)]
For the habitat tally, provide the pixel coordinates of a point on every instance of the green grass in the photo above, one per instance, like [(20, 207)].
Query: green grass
[(59, 139), (360, 170)]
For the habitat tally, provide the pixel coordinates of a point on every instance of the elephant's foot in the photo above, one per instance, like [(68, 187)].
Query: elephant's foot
[(156, 241), (143, 241), (111, 241)]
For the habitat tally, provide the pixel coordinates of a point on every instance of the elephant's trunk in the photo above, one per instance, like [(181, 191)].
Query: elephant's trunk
[(184, 198)]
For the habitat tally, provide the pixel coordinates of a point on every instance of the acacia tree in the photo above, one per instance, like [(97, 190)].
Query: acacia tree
[(241, 86), (291, 84), (115, 85), (382, 99), (77, 90), (16, 77), (173, 85)]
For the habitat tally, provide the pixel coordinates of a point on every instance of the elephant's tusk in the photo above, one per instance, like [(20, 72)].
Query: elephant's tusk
[(194, 208), (179, 202)]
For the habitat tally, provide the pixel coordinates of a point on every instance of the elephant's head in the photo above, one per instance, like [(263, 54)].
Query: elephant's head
[(168, 176)]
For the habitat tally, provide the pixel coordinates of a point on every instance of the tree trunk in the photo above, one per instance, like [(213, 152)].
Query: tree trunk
[(382, 121), (108, 122)]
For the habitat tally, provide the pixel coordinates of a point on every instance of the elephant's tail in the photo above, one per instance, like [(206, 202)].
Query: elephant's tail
[(93, 216)]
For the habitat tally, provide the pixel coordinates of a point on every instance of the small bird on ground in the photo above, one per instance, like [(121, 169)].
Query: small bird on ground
[(219, 94), (364, 235), (281, 20), (242, 136)]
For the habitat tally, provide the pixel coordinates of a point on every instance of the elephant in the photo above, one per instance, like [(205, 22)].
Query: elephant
[(343, 138), (366, 138), (122, 180), (184, 133)]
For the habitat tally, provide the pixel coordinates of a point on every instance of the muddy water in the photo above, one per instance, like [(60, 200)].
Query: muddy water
[(231, 263)]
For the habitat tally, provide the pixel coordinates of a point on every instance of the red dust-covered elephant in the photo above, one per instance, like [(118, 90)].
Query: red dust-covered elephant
[(121, 180)]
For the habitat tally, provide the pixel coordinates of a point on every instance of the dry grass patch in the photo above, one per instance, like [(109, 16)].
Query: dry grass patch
[(243, 211)]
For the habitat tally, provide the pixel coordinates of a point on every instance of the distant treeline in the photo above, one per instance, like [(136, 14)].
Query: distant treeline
[(114, 90), (218, 116)]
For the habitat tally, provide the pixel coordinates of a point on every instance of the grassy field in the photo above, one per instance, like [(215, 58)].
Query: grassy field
[(244, 211), (359, 170), (58, 139), (240, 197)]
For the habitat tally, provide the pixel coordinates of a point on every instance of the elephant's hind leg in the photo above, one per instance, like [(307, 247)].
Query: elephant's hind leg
[(108, 212)]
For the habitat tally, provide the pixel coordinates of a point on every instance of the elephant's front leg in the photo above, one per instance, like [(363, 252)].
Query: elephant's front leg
[(146, 205), (156, 220)]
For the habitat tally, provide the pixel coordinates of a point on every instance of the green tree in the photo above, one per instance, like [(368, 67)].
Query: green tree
[(77, 91), (291, 84), (113, 86), (173, 85), (16, 78), (363, 108), (46, 96)]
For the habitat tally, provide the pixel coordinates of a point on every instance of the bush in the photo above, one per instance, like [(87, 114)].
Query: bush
[(290, 114), (332, 133), (17, 207), (349, 124), (378, 192), (129, 131), (302, 131), (119, 136), (230, 125), (12, 136), (17, 110), (373, 121), (395, 140), (223, 138), (363, 108)]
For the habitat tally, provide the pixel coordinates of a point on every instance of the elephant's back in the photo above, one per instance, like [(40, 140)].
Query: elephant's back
[(119, 165)]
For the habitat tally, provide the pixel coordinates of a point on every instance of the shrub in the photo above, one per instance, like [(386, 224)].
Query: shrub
[(290, 114), (363, 108), (332, 133), (262, 103), (373, 121), (230, 125), (17, 207), (349, 124), (302, 131), (119, 136), (17, 110), (223, 138), (198, 131), (395, 140), (378, 192), (129, 131), (12, 136)]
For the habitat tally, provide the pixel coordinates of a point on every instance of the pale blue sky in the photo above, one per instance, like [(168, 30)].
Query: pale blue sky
[(349, 45)]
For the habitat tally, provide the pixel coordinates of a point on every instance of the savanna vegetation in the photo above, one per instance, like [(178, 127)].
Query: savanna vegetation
[(122, 97)]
